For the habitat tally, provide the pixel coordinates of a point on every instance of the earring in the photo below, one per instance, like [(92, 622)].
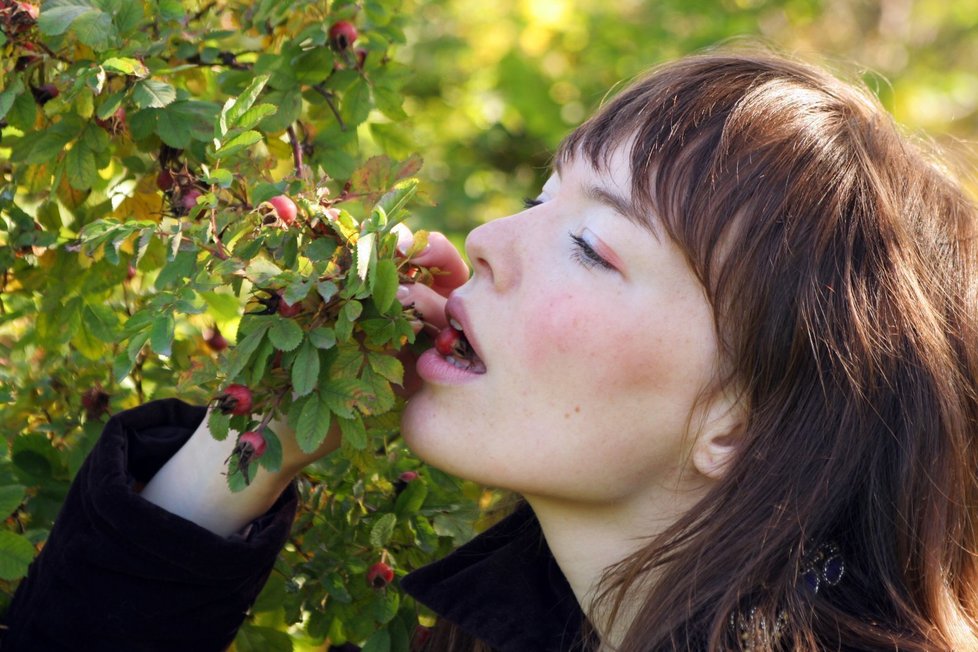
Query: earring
[(825, 565)]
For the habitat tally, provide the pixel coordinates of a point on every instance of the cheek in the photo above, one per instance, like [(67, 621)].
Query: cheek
[(607, 347)]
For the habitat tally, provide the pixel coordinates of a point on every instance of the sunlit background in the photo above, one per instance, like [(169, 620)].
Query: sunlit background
[(495, 85)]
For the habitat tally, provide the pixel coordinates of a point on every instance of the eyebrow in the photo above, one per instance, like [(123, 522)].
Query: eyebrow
[(616, 202), (621, 206)]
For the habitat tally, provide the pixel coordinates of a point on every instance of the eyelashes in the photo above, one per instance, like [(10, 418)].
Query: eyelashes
[(582, 252), (586, 256)]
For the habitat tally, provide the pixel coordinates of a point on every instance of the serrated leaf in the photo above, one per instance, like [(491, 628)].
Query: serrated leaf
[(150, 93), (172, 130), (58, 15), (11, 496), (326, 289), (219, 424), (387, 366), (16, 554), (80, 167), (285, 334), (340, 394), (223, 178), (412, 498), (7, 97), (126, 66), (242, 352), (265, 191), (161, 335), (322, 337), (385, 284), (353, 431), (246, 99), (250, 118), (271, 460), (238, 143), (305, 369), (313, 424), (383, 528)]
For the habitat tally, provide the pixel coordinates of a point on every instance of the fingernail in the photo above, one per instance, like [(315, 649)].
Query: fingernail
[(404, 239), (403, 292)]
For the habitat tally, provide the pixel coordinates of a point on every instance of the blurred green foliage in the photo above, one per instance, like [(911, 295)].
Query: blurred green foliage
[(496, 85)]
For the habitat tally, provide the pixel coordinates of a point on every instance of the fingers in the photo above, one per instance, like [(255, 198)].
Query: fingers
[(442, 254), (427, 302)]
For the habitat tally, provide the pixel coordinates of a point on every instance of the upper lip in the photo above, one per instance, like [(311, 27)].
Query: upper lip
[(455, 309)]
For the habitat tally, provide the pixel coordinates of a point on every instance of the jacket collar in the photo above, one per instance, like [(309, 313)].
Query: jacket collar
[(505, 588)]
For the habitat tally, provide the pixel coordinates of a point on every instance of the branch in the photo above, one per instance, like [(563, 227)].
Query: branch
[(328, 96), (296, 152)]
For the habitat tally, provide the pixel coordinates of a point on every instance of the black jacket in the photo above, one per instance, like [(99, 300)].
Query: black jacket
[(121, 574)]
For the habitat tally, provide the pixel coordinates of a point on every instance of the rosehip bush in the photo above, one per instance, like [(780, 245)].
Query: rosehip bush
[(145, 145)]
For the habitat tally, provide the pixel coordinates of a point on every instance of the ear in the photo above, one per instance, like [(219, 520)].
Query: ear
[(721, 437)]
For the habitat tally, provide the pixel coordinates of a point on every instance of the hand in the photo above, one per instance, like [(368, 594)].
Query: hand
[(429, 302)]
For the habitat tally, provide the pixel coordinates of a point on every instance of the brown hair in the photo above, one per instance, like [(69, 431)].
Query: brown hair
[(840, 261)]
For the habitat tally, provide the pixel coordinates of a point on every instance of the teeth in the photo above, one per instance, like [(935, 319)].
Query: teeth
[(454, 324)]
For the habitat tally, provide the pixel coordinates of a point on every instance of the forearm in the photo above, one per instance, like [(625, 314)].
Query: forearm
[(192, 485)]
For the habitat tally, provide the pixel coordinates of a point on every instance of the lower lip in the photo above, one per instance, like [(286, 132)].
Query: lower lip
[(433, 368)]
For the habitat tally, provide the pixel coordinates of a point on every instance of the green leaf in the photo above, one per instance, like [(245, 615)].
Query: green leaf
[(7, 97), (264, 191), (238, 143), (150, 93), (242, 352), (81, 169), (11, 496), (285, 334), (161, 335), (412, 498), (58, 15), (385, 284), (254, 115), (322, 337), (16, 554), (383, 528), (223, 178), (353, 431), (271, 460), (258, 638), (172, 129), (219, 424), (305, 369), (379, 642), (126, 66), (246, 100), (387, 366), (313, 424)]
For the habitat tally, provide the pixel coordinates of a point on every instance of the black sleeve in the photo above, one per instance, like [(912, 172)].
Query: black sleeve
[(120, 573)]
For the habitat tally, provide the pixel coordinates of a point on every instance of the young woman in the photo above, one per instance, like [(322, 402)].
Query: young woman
[(728, 359)]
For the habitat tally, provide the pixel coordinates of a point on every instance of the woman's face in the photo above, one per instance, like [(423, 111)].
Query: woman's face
[(596, 338)]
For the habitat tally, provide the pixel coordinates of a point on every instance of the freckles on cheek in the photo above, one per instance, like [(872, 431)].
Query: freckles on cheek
[(553, 332)]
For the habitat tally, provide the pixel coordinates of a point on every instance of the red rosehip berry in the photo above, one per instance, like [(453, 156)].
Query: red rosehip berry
[(408, 476), (285, 209), (216, 341), (45, 93), (342, 34), (448, 341), (96, 402), (289, 309), (164, 180), (235, 400), (130, 271), (380, 575), (255, 443), (188, 200), (361, 58)]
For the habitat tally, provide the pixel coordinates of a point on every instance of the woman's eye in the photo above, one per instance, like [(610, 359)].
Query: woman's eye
[(529, 202), (586, 255)]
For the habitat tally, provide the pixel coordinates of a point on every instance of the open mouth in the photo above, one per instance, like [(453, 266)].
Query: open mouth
[(454, 347)]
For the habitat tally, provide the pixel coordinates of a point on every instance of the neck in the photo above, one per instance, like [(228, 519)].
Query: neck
[(586, 540)]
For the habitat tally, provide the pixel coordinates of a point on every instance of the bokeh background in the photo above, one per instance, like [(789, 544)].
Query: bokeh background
[(496, 84)]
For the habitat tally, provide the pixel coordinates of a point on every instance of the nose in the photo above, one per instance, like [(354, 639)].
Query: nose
[(495, 251)]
